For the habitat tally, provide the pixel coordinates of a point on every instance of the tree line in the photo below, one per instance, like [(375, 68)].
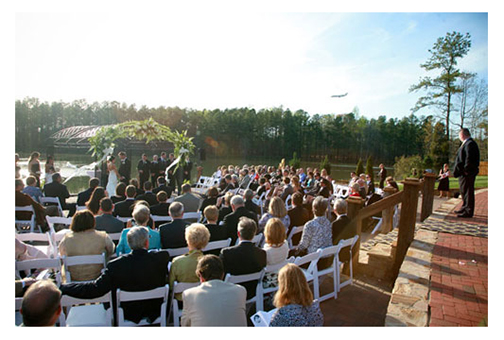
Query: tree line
[(245, 132)]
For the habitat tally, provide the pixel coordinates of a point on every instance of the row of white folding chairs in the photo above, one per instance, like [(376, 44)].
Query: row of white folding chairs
[(312, 274), (158, 218), (210, 246), (341, 191)]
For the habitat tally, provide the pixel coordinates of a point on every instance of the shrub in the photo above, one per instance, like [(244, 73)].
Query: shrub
[(369, 167), (326, 165), (405, 166), (295, 162), (360, 168)]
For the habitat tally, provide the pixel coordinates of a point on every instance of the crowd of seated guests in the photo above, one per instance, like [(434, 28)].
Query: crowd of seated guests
[(226, 214)]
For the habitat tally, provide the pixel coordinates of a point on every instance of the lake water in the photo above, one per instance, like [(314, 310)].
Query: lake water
[(66, 163)]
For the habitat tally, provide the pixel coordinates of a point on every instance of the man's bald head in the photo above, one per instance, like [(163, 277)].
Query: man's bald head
[(41, 304)]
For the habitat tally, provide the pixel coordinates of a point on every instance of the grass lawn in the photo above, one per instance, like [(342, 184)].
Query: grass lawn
[(481, 182)]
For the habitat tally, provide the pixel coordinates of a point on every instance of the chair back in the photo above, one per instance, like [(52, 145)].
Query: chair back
[(156, 293), (29, 222), (161, 219), (86, 312), (41, 264), (80, 207), (30, 237), (178, 288), (245, 277), (217, 245), (52, 220), (176, 251), (257, 240), (69, 261), (192, 215), (311, 258), (124, 219), (294, 231), (115, 236), (45, 201)]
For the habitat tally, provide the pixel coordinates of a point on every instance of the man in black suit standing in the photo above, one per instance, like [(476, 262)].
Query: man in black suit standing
[(383, 175), (230, 222), (143, 168), (58, 189), (466, 169), (124, 168), (246, 257), (122, 209), (173, 233), (139, 270)]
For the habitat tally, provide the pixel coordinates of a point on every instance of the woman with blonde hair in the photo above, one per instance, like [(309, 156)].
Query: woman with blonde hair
[(294, 300), (277, 209), (183, 267)]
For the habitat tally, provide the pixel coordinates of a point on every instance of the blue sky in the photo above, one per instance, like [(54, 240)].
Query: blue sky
[(226, 59)]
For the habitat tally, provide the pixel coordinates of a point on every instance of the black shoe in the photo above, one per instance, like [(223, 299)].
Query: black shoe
[(458, 211), (464, 215)]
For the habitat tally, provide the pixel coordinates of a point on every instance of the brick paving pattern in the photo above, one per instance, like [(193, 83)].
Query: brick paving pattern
[(480, 211)]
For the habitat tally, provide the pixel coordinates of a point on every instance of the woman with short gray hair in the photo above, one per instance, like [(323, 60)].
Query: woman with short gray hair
[(141, 216)]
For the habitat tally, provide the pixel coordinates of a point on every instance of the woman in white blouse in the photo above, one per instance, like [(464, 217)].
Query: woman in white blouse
[(276, 246)]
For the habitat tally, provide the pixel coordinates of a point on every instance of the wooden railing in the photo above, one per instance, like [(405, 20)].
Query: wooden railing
[(408, 198)]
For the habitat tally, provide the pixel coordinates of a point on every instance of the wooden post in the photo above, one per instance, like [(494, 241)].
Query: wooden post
[(388, 214), (427, 195), (354, 205), (407, 220)]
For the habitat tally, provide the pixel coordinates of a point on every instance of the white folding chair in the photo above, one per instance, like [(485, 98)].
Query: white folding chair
[(158, 218), (192, 215), (30, 222), (311, 272), (287, 205), (343, 244), (378, 225), (124, 219), (52, 220), (115, 236), (294, 231), (257, 240), (217, 245), (69, 261), (179, 287), (41, 265), (325, 252), (80, 207), (18, 316), (86, 312), (275, 269), (156, 293), (46, 201), (259, 297), (38, 237)]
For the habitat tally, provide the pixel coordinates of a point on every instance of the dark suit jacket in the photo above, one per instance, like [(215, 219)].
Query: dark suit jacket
[(342, 229), (217, 232), (145, 167), (122, 208), (468, 158), (55, 189), (160, 209), (245, 258), (251, 206), (173, 234), (206, 202), (231, 222), (149, 197), (117, 199), (164, 188), (108, 223), (298, 217), (136, 271), (223, 212), (84, 196), (125, 170)]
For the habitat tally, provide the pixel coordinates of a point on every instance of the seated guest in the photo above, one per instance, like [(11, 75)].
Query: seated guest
[(370, 185), (234, 181), (230, 222), (211, 198), (317, 233), (139, 270), (122, 208), (32, 189), (389, 181), (225, 207), (287, 189), (93, 204), (227, 185), (244, 258), (147, 196), (173, 233), (138, 189), (296, 185), (276, 209), (202, 302), (106, 221), (23, 200), (244, 179), (309, 180), (217, 232), (189, 200), (342, 229), (248, 195), (84, 239), (141, 215), (353, 179), (161, 208), (262, 188), (57, 189), (84, 196), (294, 300), (161, 181), (276, 246), (298, 215), (355, 190), (183, 268), (41, 304), (120, 193)]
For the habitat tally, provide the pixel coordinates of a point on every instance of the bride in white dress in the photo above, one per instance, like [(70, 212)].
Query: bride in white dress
[(112, 177)]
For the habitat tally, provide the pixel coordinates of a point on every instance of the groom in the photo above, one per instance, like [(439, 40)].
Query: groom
[(124, 168)]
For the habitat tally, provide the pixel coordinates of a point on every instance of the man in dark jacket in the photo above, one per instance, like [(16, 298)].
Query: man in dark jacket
[(84, 196), (173, 233), (231, 220), (139, 270), (466, 169), (57, 189), (246, 257)]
